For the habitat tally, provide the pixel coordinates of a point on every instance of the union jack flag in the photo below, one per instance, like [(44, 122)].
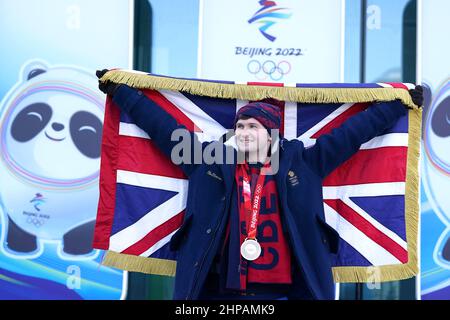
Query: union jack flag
[(143, 194)]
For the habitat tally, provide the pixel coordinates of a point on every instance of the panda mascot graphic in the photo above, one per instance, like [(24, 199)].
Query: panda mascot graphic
[(50, 137), (436, 164)]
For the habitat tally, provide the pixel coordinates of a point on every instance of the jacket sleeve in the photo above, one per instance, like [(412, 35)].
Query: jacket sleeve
[(159, 125), (332, 149)]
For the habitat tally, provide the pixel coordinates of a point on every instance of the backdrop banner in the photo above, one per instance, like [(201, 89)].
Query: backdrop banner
[(434, 73), (51, 119), (272, 41)]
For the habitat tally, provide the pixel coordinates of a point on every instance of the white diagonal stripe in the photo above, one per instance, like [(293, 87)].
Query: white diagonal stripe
[(153, 219), (387, 140), (305, 137), (367, 190), (371, 250), (212, 130), (161, 243), (364, 190), (132, 130), (406, 84), (151, 181), (167, 210), (394, 237), (385, 85)]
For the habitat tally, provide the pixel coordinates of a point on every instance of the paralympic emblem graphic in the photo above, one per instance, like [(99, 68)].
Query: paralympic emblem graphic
[(268, 16)]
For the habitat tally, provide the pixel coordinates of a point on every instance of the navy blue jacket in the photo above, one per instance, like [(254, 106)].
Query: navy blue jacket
[(312, 241)]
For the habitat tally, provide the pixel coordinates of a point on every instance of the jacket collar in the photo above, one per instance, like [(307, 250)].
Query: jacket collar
[(285, 154)]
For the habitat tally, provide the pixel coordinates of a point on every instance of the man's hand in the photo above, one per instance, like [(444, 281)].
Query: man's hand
[(107, 87), (101, 73), (417, 95)]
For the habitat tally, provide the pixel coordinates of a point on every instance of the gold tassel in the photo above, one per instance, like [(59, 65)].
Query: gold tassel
[(140, 264), (253, 92)]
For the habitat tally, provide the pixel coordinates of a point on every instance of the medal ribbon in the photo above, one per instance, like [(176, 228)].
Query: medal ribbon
[(249, 214), (252, 210)]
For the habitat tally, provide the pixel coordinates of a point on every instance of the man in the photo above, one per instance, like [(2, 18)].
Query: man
[(248, 233)]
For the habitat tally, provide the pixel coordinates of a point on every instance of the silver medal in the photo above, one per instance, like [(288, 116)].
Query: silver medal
[(250, 249)]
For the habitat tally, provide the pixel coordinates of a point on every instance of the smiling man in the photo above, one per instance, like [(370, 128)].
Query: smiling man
[(253, 125), (250, 232)]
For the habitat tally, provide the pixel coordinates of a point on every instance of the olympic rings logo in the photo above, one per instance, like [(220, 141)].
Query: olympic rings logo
[(269, 68), (37, 222)]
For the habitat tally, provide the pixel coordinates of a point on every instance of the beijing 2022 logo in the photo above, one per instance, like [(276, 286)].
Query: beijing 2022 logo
[(274, 64), (269, 15)]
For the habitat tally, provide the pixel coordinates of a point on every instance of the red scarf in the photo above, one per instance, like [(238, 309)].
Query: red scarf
[(274, 263)]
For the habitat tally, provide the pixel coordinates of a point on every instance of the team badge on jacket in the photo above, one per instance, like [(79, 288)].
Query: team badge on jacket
[(293, 179)]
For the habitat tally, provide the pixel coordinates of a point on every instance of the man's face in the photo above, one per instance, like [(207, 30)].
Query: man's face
[(251, 136)]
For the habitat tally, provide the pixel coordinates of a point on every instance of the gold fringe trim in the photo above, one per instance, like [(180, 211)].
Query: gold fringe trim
[(140, 264), (252, 92), (411, 268)]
